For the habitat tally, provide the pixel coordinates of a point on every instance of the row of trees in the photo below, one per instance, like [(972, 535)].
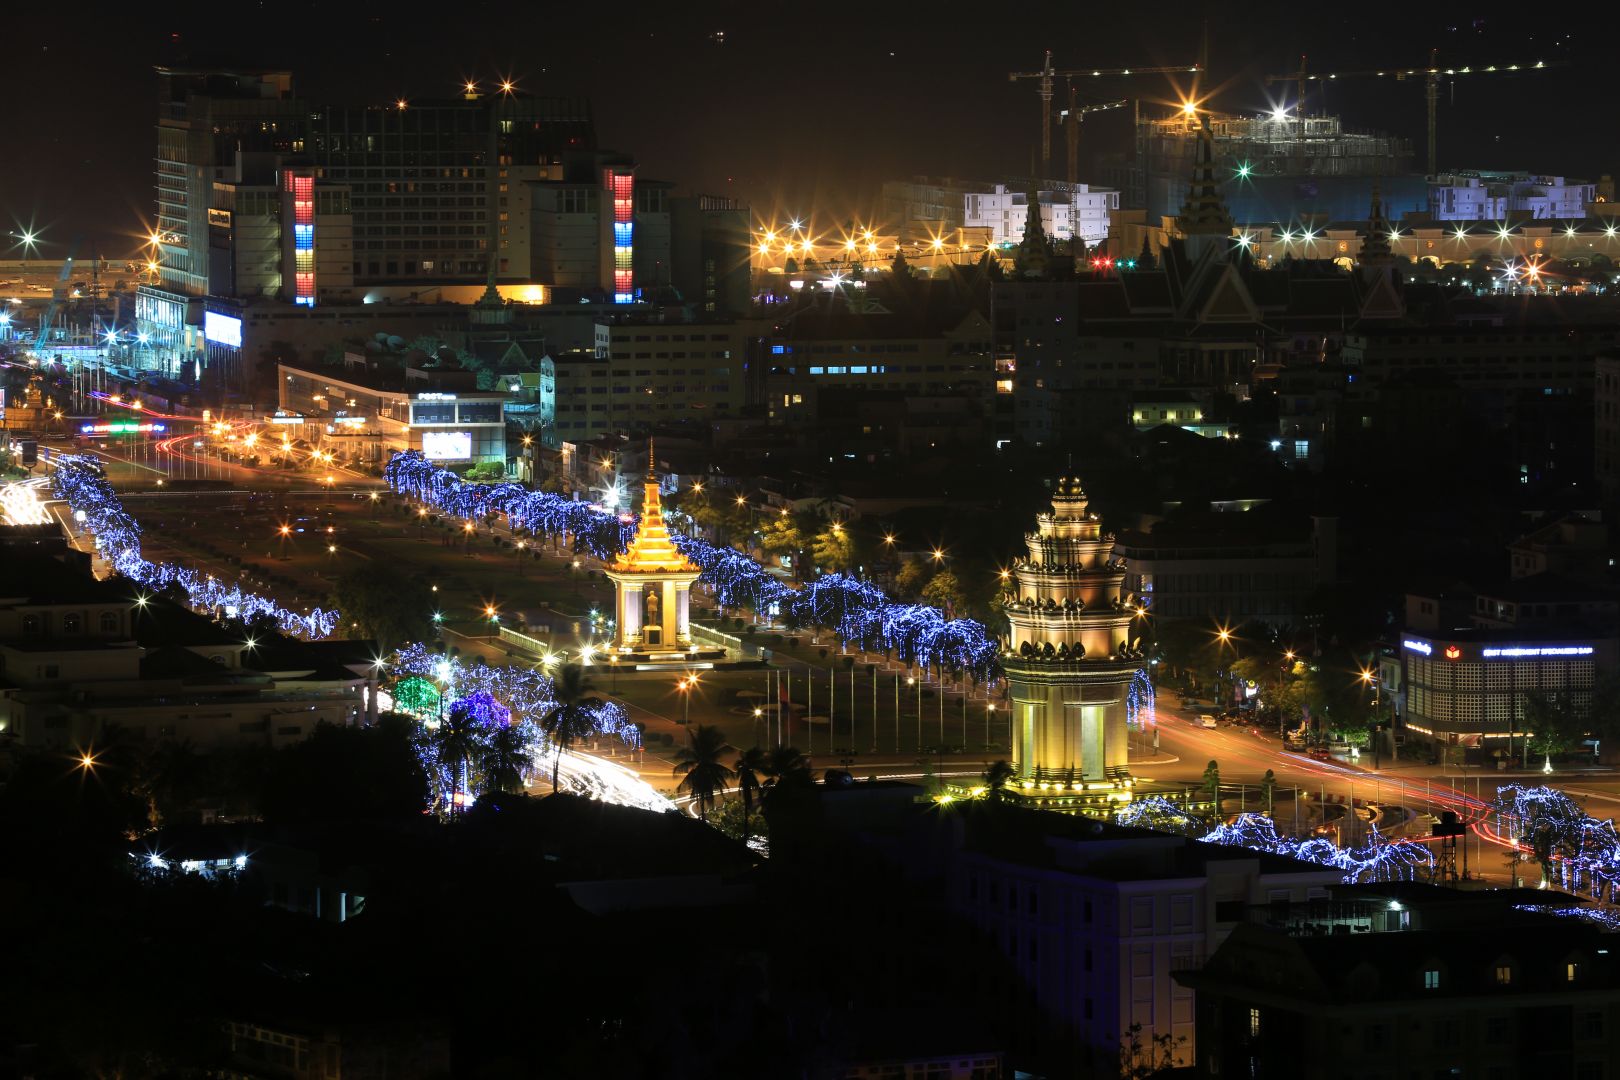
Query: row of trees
[(813, 537), (708, 764)]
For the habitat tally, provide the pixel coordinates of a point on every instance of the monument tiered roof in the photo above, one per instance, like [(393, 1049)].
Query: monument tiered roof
[(652, 551)]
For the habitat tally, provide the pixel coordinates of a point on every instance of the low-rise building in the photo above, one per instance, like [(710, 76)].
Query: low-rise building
[(1089, 918), (1391, 981), (1472, 658), (1501, 196), (1067, 211), (80, 658), (1260, 564), (655, 373), (371, 412), (1606, 418)]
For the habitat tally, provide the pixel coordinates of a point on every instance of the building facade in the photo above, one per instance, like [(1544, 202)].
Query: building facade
[(1471, 660), (1230, 567), (1094, 920), (1495, 197), (369, 414), (1077, 210)]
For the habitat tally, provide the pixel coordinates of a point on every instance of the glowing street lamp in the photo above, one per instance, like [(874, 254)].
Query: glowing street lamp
[(686, 685)]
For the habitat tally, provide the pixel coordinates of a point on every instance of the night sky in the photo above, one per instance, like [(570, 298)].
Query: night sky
[(805, 107)]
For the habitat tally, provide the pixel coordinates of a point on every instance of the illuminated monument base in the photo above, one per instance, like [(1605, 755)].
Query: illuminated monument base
[(1068, 660)]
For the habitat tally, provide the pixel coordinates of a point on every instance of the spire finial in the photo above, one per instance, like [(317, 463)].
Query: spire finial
[(652, 462)]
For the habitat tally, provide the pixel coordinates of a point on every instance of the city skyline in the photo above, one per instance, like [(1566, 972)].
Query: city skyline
[(721, 118)]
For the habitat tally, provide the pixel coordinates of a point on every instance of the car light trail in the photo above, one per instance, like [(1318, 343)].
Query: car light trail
[(20, 503)]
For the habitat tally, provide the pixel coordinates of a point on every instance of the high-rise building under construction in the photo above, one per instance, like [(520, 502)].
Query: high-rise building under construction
[(1274, 168)]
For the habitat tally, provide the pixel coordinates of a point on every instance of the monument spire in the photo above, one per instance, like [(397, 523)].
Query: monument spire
[(1375, 249), (1204, 213), (1032, 252)]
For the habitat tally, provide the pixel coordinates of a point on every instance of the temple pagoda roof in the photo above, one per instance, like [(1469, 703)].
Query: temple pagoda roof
[(652, 551)]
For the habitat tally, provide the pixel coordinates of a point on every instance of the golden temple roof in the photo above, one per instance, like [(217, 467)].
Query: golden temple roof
[(652, 551)]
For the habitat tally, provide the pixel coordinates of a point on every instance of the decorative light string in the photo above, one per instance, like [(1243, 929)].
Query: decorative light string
[(1377, 860), (483, 703), (1578, 852), (78, 481), (858, 611)]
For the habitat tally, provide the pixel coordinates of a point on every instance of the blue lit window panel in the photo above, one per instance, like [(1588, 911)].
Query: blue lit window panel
[(859, 370), (621, 233), (777, 350), (818, 371)]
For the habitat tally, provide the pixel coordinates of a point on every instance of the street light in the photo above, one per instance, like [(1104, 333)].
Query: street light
[(686, 685)]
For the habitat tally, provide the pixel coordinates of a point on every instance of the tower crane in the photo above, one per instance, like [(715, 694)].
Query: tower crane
[(1047, 74), (42, 335), (1430, 75), (1071, 119)]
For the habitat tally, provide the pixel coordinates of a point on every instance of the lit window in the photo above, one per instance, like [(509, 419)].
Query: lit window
[(1431, 980), (1571, 971), (1504, 974), (1254, 1023)]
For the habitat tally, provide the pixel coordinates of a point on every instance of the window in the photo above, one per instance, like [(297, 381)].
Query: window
[(1571, 972), (1504, 974), (1592, 1025), (1431, 980), (72, 624), (1254, 1023), (30, 624), (109, 622)]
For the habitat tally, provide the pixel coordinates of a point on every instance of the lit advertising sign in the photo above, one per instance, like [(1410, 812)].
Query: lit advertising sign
[(430, 396), (1535, 650), (222, 329), (1417, 646), (447, 445), (123, 428)]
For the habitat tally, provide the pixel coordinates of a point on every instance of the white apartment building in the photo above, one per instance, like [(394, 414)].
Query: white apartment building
[(1492, 196), (1096, 918), (1066, 212)]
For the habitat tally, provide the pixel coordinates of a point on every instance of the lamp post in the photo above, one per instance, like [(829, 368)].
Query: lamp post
[(1282, 719), (1367, 682), (989, 711)]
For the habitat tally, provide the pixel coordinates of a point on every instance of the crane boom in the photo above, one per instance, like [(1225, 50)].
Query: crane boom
[(1430, 75), (62, 279), (1071, 117), (1048, 73)]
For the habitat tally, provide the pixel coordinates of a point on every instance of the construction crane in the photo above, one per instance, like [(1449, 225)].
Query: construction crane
[(1430, 75), (1071, 119), (42, 335), (1047, 74)]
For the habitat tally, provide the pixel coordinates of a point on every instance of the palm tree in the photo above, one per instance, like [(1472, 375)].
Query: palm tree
[(784, 762), (751, 765), (996, 779), (507, 757), (699, 766), (455, 741), (573, 715)]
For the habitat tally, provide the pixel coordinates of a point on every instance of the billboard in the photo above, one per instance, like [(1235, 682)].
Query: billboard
[(447, 445), (222, 329)]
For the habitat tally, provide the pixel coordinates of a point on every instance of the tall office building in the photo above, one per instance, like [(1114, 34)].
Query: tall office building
[(417, 175)]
